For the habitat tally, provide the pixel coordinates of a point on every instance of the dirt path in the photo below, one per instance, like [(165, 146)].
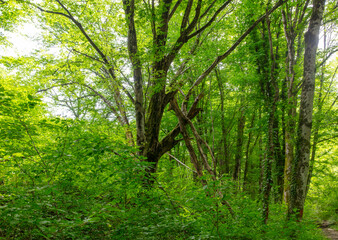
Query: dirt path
[(331, 233)]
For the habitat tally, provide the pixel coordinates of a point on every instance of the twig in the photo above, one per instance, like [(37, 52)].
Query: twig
[(180, 162), (35, 147)]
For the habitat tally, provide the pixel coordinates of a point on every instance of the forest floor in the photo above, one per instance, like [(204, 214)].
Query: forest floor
[(330, 233)]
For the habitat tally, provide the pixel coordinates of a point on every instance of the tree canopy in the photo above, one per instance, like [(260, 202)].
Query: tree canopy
[(169, 119)]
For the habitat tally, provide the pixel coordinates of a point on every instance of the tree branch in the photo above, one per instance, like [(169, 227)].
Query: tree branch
[(232, 48), (79, 25), (60, 85), (186, 15), (88, 56), (174, 9), (168, 142), (180, 162), (327, 139), (210, 21)]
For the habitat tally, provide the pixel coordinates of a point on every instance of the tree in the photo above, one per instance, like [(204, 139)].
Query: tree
[(301, 165), (294, 19), (165, 53), (10, 16), (176, 128)]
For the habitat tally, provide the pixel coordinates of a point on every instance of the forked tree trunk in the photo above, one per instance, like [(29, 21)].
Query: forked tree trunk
[(148, 127), (293, 18), (148, 118)]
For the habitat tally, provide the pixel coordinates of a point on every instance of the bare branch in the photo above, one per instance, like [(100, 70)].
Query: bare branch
[(64, 7), (327, 57), (106, 101), (180, 162), (303, 12), (183, 37), (108, 79), (169, 141), (33, 143), (327, 139), (332, 80), (181, 116)]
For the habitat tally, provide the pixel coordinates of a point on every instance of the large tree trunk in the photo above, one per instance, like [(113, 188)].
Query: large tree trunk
[(274, 69), (321, 116), (290, 120), (129, 6), (148, 127), (301, 165), (271, 100), (153, 148)]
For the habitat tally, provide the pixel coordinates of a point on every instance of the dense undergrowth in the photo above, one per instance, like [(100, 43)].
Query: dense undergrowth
[(70, 179), (84, 184)]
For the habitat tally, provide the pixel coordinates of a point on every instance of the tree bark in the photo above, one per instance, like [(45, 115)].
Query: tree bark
[(248, 152), (292, 22), (301, 165), (129, 8), (224, 161)]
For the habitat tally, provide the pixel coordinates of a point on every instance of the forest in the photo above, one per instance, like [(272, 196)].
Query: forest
[(168, 119)]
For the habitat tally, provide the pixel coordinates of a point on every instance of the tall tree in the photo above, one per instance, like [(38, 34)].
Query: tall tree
[(300, 171), (293, 22), (195, 19)]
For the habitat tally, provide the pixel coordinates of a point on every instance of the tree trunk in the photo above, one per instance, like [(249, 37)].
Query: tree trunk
[(239, 146), (247, 152), (224, 160), (290, 123), (279, 162), (301, 165), (290, 103), (129, 6), (269, 84), (293, 21)]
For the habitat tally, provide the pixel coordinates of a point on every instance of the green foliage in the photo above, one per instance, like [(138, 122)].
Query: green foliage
[(115, 205), (82, 182), (77, 178), (322, 199)]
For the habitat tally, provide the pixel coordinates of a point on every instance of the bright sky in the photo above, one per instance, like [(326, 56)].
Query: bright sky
[(22, 41)]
